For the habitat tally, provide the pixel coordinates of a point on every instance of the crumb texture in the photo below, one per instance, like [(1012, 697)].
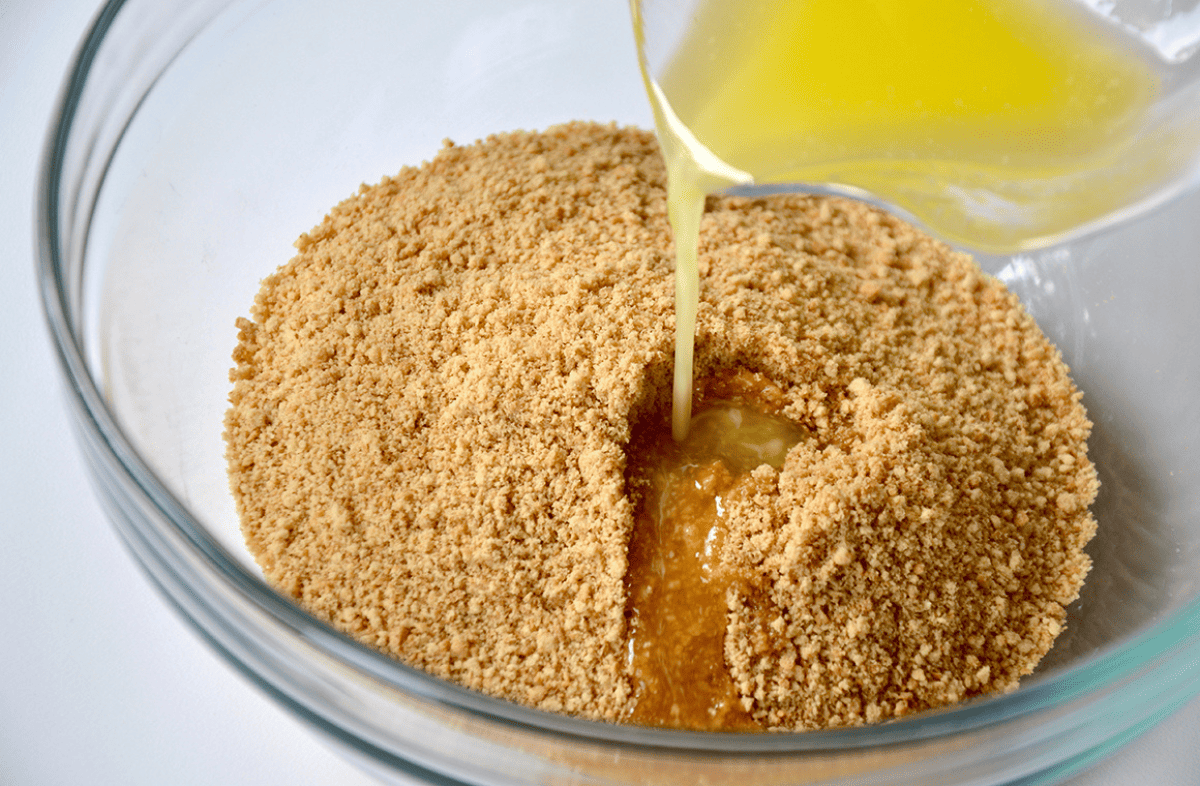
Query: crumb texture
[(432, 402)]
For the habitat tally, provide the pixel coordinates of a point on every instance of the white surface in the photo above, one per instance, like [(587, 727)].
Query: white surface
[(100, 683)]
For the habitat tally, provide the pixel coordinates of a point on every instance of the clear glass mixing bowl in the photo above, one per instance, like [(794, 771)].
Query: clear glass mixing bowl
[(195, 140)]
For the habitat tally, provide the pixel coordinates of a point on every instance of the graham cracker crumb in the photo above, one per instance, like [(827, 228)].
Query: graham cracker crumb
[(433, 398)]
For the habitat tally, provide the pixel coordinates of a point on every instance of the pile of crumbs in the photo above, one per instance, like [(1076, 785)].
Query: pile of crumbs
[(433, 399)]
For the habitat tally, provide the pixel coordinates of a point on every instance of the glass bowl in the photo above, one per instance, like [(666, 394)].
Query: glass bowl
[(195, 140)]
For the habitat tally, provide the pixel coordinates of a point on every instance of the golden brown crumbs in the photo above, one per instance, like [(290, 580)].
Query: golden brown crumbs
[(432, 402)]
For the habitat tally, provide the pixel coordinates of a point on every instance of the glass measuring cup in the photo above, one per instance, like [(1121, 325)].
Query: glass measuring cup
[(1001, 126)]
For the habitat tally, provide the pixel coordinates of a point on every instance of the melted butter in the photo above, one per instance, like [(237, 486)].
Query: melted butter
[(679, 575), (997, 123)]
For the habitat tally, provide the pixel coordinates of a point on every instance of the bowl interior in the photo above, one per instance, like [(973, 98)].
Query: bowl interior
[(279, 110)]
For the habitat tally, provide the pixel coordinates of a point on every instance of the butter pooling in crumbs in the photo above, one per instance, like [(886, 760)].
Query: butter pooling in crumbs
[(433, 398)]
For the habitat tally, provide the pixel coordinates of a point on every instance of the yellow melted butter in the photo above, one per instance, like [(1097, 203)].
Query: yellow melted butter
[(1015, 88), (989, 121)]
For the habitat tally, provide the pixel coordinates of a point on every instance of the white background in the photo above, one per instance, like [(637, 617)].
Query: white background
[(100, 683)]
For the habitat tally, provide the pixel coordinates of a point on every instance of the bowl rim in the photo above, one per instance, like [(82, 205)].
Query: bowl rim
[(1109, 667)]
